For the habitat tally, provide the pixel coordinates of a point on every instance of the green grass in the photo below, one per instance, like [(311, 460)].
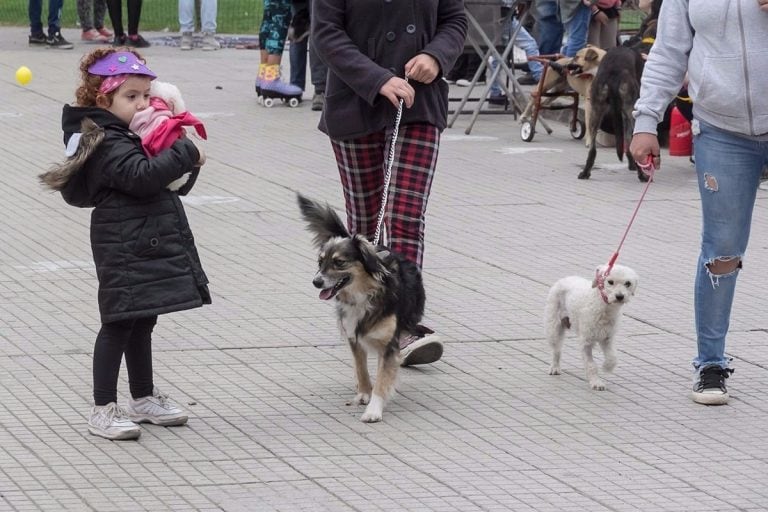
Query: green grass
[(234, 16)]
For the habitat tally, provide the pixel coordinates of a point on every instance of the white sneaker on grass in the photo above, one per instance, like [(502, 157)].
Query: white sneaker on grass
[(157, 409), (111, 422)]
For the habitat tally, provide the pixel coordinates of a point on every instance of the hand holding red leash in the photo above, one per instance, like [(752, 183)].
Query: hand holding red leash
[(644, 146)]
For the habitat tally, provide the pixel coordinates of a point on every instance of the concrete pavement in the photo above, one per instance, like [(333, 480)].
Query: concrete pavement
[(265, 377)]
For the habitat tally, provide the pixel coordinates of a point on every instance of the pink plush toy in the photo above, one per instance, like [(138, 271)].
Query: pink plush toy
[(163, 123)]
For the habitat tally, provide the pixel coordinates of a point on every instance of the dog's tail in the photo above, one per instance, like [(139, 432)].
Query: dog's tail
[(618, 121)]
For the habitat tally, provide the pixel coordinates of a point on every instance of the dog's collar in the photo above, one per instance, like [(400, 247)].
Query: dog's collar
[(600, 279)]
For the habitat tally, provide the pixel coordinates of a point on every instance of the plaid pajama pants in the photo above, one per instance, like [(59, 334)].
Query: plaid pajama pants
[(362, 164)]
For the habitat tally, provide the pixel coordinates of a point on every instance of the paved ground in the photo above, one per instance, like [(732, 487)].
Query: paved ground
[(266, 379)]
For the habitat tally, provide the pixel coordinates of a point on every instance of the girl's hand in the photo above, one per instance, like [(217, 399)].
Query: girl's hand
[(423, 68), (396, 88), (201, 160), (763, 5)]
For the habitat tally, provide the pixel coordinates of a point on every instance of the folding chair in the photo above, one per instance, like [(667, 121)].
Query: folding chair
[(485, 18)]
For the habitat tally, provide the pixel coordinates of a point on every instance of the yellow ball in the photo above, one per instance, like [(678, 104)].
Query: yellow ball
[(23, 75)]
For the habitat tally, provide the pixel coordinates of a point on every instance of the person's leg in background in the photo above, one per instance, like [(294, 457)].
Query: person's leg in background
[(187, 24), (274, 29), (55, 39), (299, 39), (99, 12), (134, 18), (86, 13), (318, 73), (115, 9), (35, 11), (577, 29), (728, 168), (603, 35), (550, 28), (208, 14)]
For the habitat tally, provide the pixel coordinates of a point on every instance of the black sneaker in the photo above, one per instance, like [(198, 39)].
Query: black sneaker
[(119, 40), (497, 99), (137, 42), (527, 79), (56, 40), (709, 386), (38, 39)]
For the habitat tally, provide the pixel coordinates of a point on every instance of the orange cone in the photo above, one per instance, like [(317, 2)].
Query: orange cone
[(680, 136)]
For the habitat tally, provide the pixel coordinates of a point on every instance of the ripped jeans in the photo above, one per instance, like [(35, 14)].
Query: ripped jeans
[(728, 167)]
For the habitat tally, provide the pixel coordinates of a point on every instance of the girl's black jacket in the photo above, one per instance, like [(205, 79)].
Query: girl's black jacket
[(143, 249)]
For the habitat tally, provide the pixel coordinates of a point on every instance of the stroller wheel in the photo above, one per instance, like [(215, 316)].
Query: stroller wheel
[(578, 129), (527, 131)]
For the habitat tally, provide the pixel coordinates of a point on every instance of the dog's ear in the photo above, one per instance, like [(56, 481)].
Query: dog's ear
[(321, 220), (591, 55), (373, 262)]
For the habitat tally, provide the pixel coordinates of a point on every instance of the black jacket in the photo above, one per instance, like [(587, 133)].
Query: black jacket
[(367, 42), (144, 252)]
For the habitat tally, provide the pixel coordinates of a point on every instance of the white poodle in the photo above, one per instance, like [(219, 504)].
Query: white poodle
[(592, 309)]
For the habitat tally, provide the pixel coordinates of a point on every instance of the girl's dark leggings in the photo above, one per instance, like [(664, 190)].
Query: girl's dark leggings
[(115, 8), (132, 338)]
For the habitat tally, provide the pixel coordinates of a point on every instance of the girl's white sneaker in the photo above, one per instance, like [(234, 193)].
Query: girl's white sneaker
[(157, 409), (111, 422)]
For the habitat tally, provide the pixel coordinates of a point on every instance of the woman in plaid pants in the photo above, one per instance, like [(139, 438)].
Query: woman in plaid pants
[(379, 52)]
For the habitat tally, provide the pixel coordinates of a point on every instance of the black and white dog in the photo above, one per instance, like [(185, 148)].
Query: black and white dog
[(378, 294)]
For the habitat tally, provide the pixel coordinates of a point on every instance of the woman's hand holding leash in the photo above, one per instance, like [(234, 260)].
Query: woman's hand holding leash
[(397, 88), (645, 146), (423, 68)]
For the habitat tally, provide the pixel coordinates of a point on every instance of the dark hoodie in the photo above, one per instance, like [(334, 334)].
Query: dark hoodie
[(143, 249)]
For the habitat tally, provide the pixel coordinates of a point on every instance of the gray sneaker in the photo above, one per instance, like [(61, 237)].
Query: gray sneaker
[(318, 101), (157, 409), (209, 42), (186, 41), (111, 422), (421, 347)]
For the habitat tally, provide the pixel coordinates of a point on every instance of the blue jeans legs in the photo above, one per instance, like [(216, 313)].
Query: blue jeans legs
[(36, 12), (728, 168)]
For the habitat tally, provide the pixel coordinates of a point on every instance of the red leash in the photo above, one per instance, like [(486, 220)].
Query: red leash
[(649, 169)]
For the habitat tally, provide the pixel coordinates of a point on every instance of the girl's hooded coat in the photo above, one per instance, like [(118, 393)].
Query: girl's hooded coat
[(143, 249)]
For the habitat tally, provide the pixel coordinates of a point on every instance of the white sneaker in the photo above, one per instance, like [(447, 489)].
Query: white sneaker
[(209, 42), (186, 41), (422, 347), (111, 422), (709, 385), (157, 409)]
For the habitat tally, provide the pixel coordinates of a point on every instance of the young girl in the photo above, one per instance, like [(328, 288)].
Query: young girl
[(145, 257)]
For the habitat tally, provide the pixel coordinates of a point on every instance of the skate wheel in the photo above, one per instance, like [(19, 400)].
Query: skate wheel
[(578, 129), (268, 102), (293, 102), (527, 131)]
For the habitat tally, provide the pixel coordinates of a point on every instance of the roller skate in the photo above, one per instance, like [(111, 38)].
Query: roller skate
[(259, 79), (272, 88)]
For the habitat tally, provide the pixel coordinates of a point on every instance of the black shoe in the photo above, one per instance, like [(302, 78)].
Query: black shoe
[(709, 386), (499, 99), (38, 39), (119, 40), (56, 40), (137, 42), (527, 79)]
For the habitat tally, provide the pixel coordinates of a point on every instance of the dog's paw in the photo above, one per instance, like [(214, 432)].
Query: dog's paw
[(584, 175), (598, 385), (554, 370), (371, 417), (360, 399)]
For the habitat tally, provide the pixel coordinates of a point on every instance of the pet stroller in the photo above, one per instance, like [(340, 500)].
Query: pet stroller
[(528, 128)]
